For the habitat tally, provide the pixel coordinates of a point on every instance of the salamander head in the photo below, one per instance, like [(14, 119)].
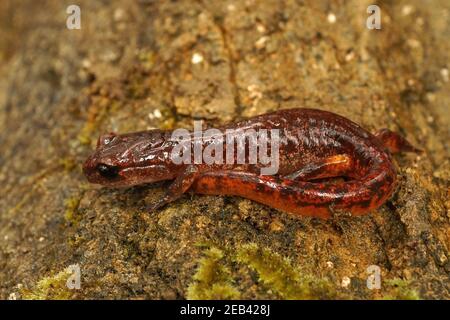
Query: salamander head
[(130, 159)]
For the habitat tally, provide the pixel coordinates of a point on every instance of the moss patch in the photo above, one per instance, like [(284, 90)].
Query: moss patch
[(399, 289), (280, 276), (68, 163), (71, 213), (50, 288), (212, 279)]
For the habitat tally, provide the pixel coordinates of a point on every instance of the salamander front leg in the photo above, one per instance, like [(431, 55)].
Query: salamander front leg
[(334, 166), (178, 187)]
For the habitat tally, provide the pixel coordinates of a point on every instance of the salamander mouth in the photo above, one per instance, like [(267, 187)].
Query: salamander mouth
[(145, 173), (115, 176)]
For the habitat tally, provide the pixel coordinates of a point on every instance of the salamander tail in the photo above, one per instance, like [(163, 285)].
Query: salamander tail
[(394, 142)]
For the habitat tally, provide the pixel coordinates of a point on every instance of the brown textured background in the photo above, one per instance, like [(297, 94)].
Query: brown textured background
[(130, 68)]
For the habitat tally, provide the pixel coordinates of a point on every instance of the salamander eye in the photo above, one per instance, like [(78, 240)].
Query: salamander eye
[(107, 171)]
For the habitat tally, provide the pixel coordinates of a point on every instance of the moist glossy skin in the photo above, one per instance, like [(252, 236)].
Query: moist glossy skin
[(327, 164)]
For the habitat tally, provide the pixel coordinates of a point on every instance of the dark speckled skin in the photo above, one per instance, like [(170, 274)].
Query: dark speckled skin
[(315, 146)]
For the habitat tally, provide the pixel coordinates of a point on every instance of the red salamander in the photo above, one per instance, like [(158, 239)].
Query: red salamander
[(325, 164)]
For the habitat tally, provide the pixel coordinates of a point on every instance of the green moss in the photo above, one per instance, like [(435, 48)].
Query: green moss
[(68, 163), (85, 136), (147, 59), (50, 288), (278, 275), (71, 213), (75, 240), (212, 279), (399, 289)]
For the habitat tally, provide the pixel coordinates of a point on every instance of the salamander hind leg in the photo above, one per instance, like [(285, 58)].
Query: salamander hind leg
[(178, 187), (333, 166), (394, 142)]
